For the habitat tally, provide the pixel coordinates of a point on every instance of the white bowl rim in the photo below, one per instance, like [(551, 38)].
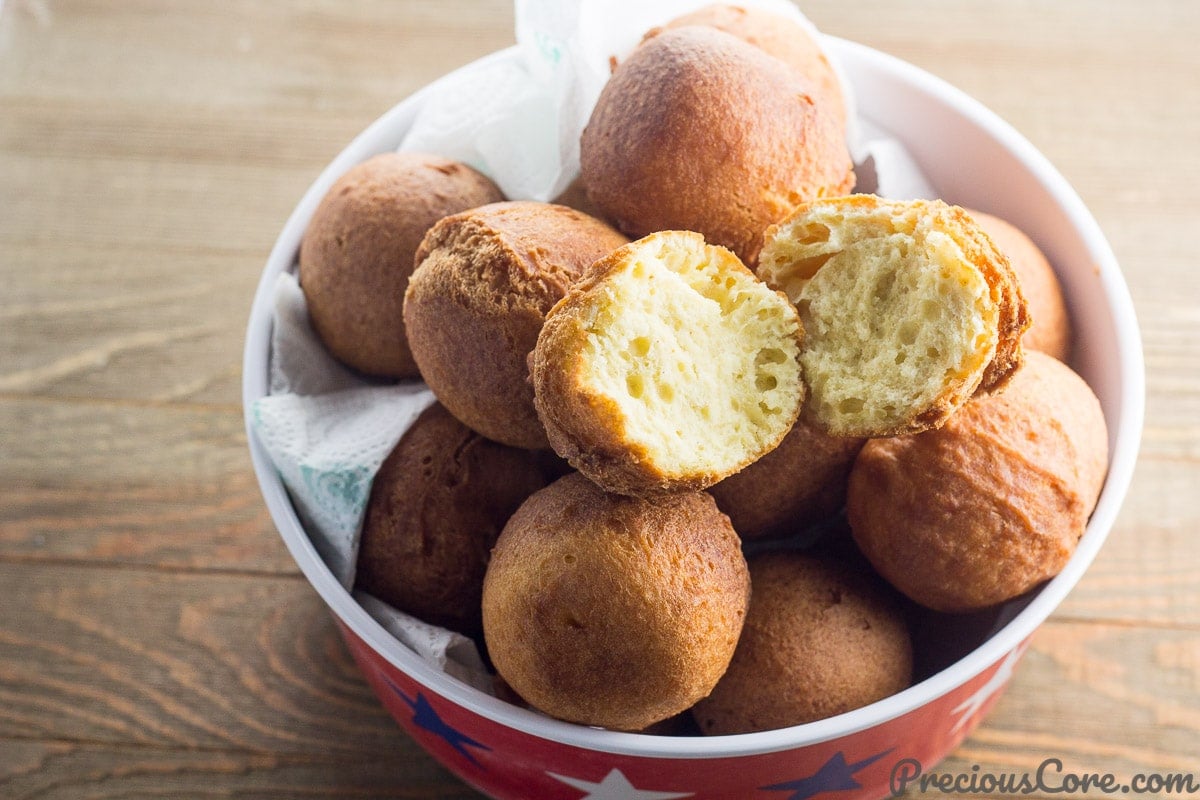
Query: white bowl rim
[(1021, 626)]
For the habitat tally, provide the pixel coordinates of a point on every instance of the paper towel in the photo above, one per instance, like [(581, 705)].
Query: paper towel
[(327, 430)]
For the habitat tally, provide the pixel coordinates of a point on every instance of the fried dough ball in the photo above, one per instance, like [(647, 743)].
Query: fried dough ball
[(779, 36), (991, 504), (820, 639), (357, 253), (670, 367), (698, 130), (1050, 329), (614, 611), (435, 509), (800, 483), (907, 307), (484, 283)]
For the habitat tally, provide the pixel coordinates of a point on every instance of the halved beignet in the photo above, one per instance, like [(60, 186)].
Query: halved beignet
[(670, 367), (907, 306)]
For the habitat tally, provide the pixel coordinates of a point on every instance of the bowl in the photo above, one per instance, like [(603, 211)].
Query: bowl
[(974, 159)]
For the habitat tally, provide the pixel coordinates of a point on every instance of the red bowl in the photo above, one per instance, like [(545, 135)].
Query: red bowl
[(973, 159)]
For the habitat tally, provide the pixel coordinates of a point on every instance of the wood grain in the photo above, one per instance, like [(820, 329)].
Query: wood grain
[(161, 485), (156, 638), (48, 770), (1141, 689), (1146, 572), (180, 209), (246, 663)]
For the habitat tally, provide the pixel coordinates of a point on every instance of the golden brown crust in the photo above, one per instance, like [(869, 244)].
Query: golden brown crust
[(357, 253), (991, 504), (1050, 324), (1014, 311), (614, 611), (477, 300), (778, 36), (798, 484), (436, 507), (698, 130), (820, 639)]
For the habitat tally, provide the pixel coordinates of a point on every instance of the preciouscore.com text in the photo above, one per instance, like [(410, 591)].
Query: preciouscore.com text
[(1049, 778)]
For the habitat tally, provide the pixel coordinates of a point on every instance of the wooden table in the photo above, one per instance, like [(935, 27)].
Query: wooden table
[(155, 637)]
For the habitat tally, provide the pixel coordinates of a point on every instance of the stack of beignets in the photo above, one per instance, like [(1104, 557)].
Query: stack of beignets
[(796, 349)]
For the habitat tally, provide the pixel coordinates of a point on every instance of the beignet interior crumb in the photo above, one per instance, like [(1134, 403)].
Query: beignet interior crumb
[(896, 317), (699, 355)]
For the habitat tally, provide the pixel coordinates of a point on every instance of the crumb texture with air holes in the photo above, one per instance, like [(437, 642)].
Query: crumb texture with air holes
[(671, 367), (901, 306)]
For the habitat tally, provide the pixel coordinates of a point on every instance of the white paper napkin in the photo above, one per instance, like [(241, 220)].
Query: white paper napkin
[(454, 653), (518, 121), (327, 430)]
